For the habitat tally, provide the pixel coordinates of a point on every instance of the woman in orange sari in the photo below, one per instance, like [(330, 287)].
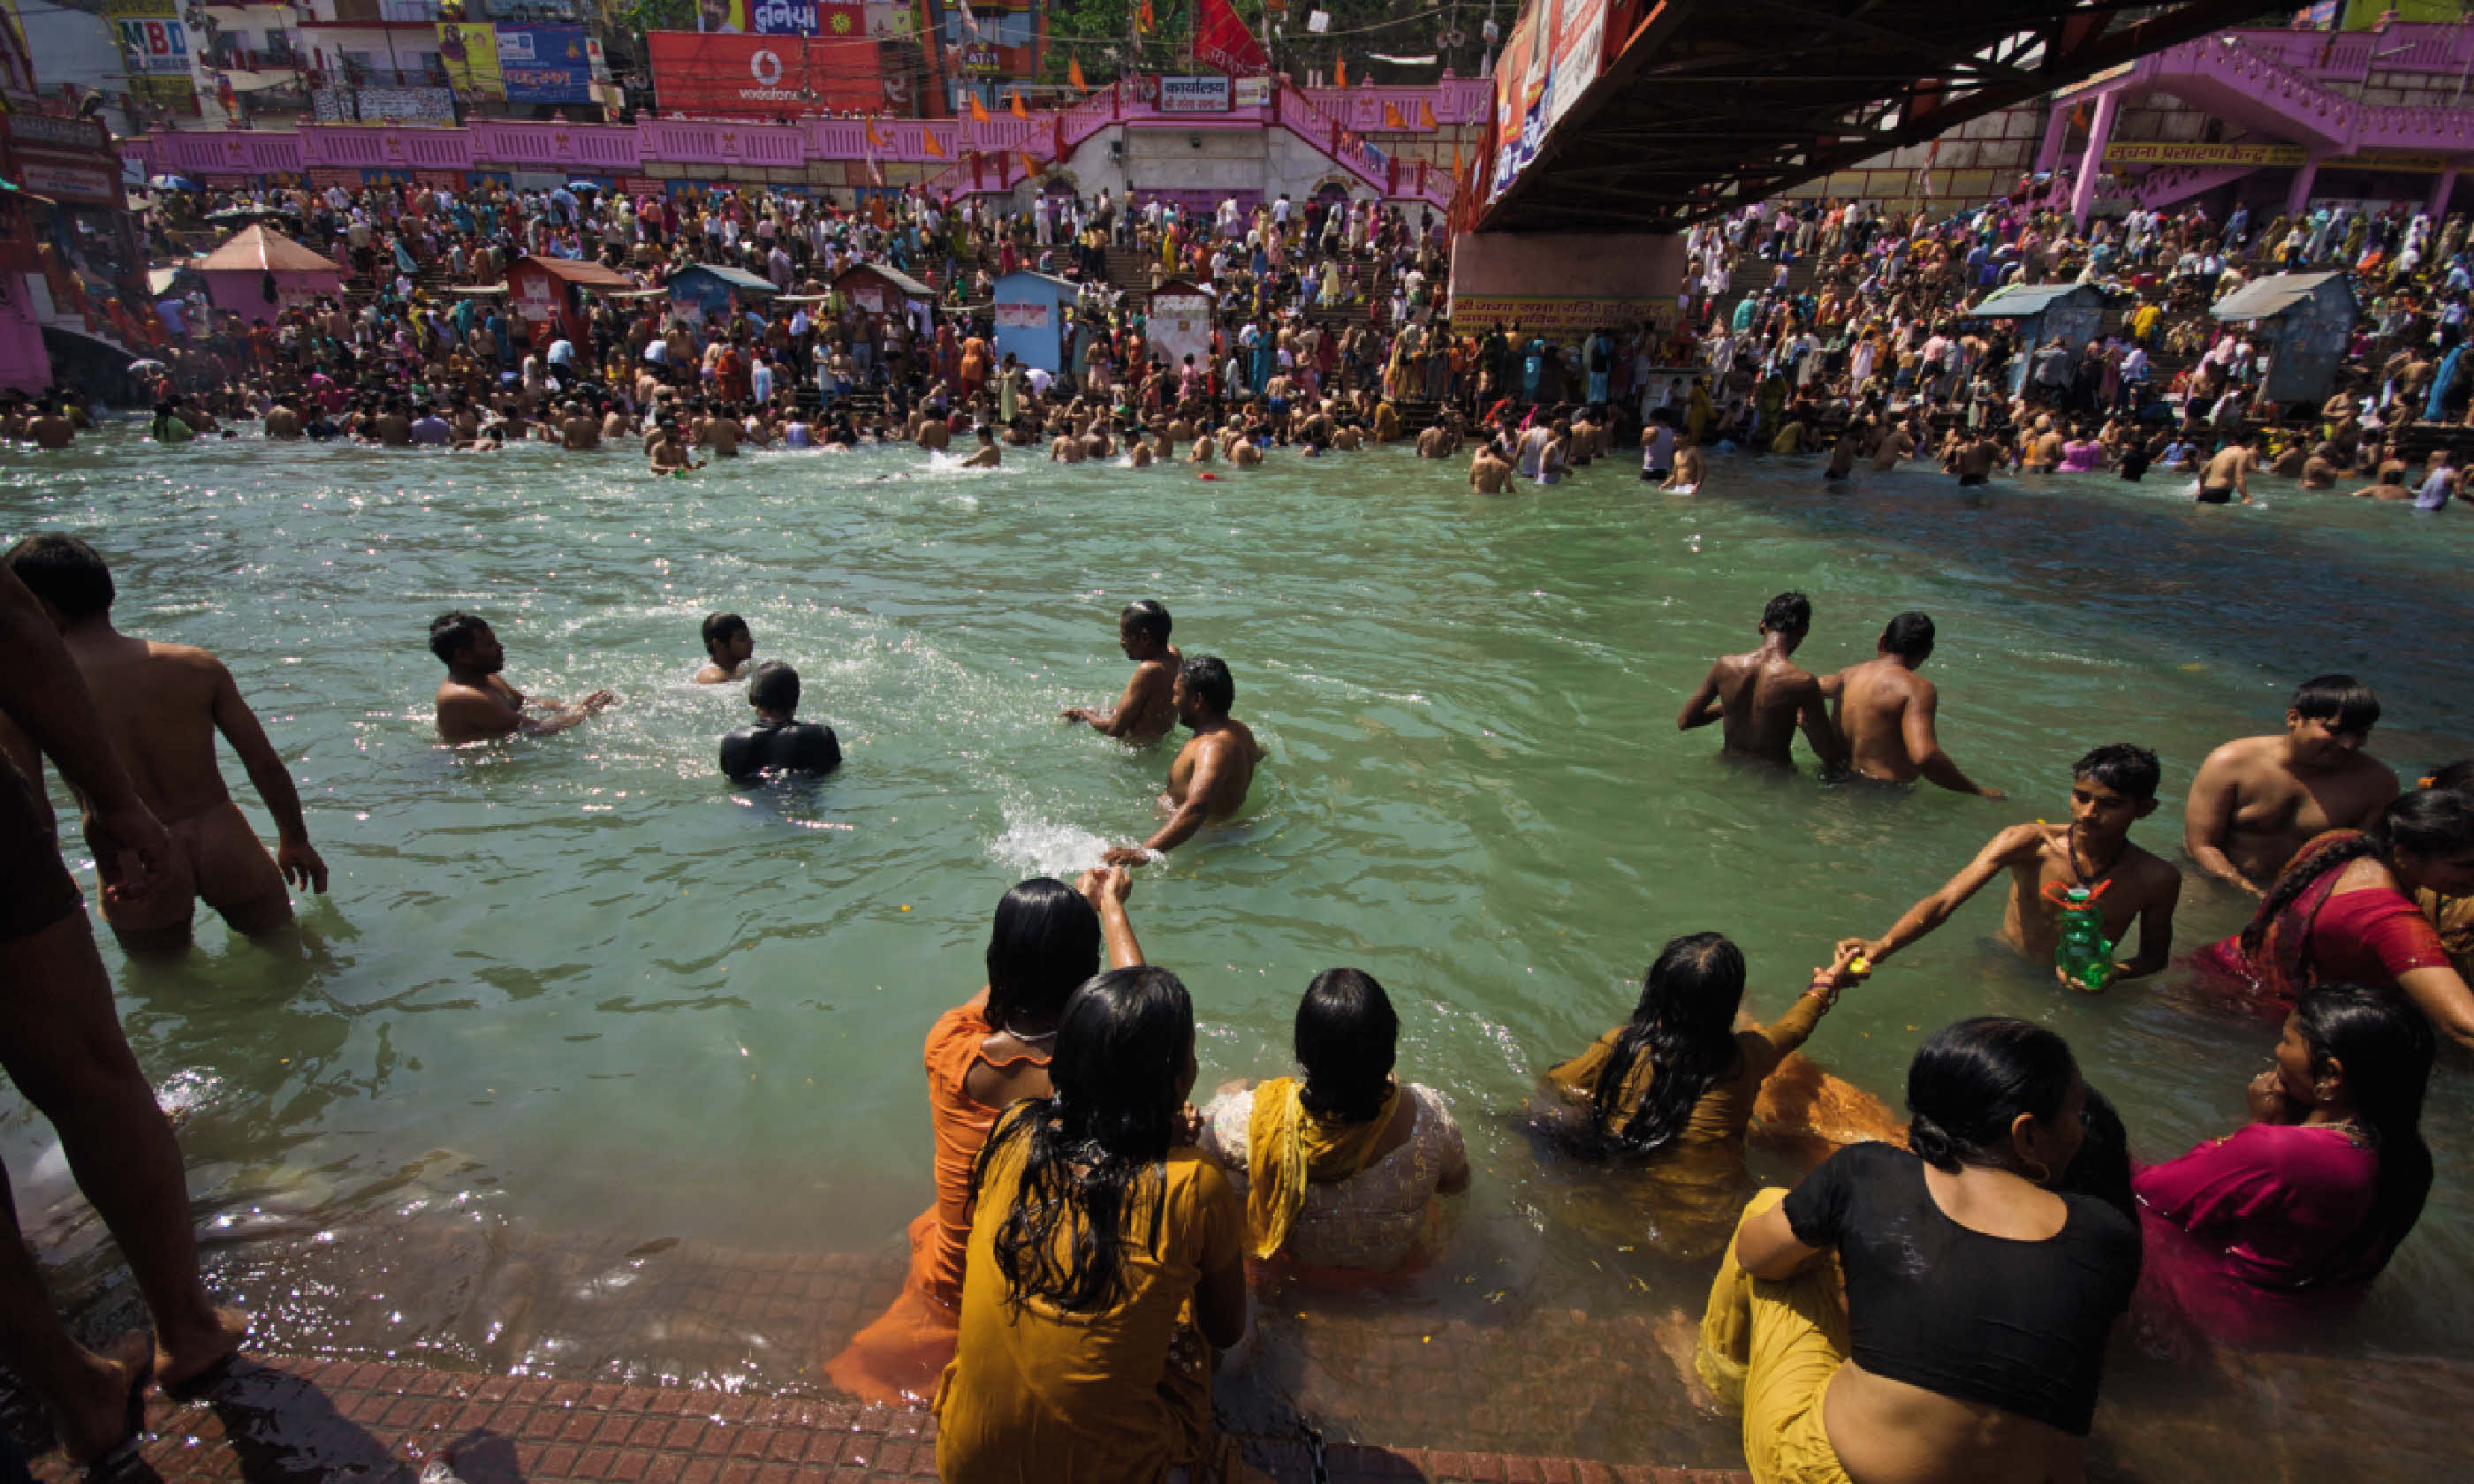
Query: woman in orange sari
[(982, 1057)]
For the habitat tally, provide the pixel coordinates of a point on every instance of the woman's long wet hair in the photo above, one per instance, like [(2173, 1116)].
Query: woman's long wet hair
[(1044, 942), (1686, 1025), (1971, 1080), (2385, 1045), (1347, 1038), (2429, 822), (1091, 1151)]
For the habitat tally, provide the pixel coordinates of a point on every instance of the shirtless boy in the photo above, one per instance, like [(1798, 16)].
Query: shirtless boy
[(728, 646), (1487, 473), (163, 705), (1763, 696), (2228, 473), (1146, 711), (1211, 774), (1886, 711), (1690, 467), (2111, 788), (474, 703), (2257, 799)]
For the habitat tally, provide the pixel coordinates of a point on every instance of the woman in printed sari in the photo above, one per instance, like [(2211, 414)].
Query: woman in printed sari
[(981, 1057), (1342, 1169), (2253, 1235), (2343, 911), (1106, 1263)]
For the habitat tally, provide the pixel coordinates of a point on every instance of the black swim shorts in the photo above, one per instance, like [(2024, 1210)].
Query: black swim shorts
[(2217, 495), (1970, 481)]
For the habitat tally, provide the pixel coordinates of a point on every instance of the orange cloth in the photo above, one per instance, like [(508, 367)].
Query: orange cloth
[(901, 1354)]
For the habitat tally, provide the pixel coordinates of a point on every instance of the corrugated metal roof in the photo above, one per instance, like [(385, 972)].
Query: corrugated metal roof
[(900, 279), (2020, 300), (736, 278), (2270, 297)]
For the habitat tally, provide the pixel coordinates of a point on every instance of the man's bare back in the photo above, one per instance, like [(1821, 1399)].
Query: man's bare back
[(2252, 809), (1760, 698), (1885, 713)]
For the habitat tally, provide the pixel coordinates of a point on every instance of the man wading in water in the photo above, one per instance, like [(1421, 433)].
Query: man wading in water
[(1763, 696), (1210, 777)]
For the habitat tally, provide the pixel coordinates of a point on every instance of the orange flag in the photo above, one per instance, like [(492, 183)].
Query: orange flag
[(1456, 163), (928, 142), (1427, 111), (1340, 71), (1392, 118), (1074, 74), (978, 110), (1030, 166), (875, 140), (1147, 21), (1019, 112)]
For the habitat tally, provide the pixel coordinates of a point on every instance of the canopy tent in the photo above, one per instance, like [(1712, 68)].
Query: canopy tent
[(261, 273)]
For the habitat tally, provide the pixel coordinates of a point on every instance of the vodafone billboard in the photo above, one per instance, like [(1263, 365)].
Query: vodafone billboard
[(762, 77)]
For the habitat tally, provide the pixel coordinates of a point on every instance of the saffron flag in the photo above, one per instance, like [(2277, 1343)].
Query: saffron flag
[(1392, 118), (1340, 71), (1074, 74), (1030, 166), (875, 140), (928, 142), (1221, 41), (978, 110), (1146, 15), (1018, 110), (1426, 110)]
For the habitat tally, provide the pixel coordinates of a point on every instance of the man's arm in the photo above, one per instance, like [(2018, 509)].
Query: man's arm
[(2208, 819), (293, 854), (1924, 747), (2155, 933), (1189, 816), (1705, 705), (43, 694), (2008, 849), (1813, 715)]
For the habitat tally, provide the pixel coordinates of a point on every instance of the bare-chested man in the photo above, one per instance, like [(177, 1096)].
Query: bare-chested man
[(1487, 474), (1885, 712), (2258, 799), (48, 427), (1212, 773), (1691, 466), (728, 646), (476, 704), (578, 431), (1065, 448), (163, 705), (282, 420), (2111, 789), (1147, 710), (1763, 696), (2228, 473)]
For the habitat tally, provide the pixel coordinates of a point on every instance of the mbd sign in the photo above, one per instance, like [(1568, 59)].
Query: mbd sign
[(1194, 95)]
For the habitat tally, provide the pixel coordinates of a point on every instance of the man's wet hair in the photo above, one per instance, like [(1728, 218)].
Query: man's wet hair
[(1207, 677), (1145, 616), (720, 629), (2346, 704), (2457, 775), (65, 572), (1789, 613), (1910, 636), (452, 633), (2131, 772), (774, 686)]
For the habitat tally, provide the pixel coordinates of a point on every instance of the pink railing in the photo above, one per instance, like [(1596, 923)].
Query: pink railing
[(2254, 85)]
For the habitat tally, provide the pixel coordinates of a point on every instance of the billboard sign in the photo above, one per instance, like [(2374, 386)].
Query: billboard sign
[(1580, 40), (469, 50), (761, 77), (545, 64), (1194, 95)]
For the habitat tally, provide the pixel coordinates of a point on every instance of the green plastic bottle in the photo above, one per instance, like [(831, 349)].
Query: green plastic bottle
[(2082, 955)]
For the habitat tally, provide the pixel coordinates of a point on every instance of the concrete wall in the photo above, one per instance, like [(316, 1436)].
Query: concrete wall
[(1269, 161)]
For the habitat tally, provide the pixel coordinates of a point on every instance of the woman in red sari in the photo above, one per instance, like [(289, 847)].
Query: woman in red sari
[(2343, 911)]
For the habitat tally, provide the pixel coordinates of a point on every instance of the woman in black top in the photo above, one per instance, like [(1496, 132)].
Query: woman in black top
[(1979, 1293)]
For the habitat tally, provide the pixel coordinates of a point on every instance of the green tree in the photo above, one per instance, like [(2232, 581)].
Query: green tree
[(641, 16)]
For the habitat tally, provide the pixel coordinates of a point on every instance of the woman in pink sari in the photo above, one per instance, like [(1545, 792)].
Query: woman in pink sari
[(2343, 911), (2251, 1234)]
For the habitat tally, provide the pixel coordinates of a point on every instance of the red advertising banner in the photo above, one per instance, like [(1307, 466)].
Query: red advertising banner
[(1222, 40), (762, 77)]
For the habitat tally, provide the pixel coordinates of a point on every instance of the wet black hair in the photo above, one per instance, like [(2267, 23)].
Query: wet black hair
[(1045, 941), (2386, 1045), (720, 628), (2102, 1168), (1144, 615), (1789, 613), (1346, 1039), (65, 572), (1685, 1024), (2428, 821), (2457, 775), (2348, 703), (1910, 636), (452, 633), (1091, 1152), (2130, 770), (1971, 1080), (1207, 677), (774, 686)]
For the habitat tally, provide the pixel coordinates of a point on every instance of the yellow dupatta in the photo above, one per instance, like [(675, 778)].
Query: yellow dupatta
[(1287, 1148)]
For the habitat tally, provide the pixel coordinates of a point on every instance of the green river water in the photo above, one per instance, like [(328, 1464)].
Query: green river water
[(579, 986)]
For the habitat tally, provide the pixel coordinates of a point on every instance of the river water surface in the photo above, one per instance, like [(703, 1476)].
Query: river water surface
[(578, 994)]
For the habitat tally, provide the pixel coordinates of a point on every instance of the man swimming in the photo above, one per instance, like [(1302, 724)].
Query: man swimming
[(2111, 789), (474, 703), (728, 646), (164, 705), (2257, 799), (778, 744), (1211, 775), (1148, 709), (1886, 711), (1762, 695)]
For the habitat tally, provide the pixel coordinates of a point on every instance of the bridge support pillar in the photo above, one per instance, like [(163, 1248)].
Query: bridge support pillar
[(2297, 196), (1564, 284), (2057, 130), (2092, 163), (2446, 187)]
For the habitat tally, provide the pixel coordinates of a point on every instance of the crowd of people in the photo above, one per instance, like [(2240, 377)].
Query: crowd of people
[(1948, 1282)]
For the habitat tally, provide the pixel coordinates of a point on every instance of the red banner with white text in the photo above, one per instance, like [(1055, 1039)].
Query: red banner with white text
[(1222, 40), (762, 77)]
